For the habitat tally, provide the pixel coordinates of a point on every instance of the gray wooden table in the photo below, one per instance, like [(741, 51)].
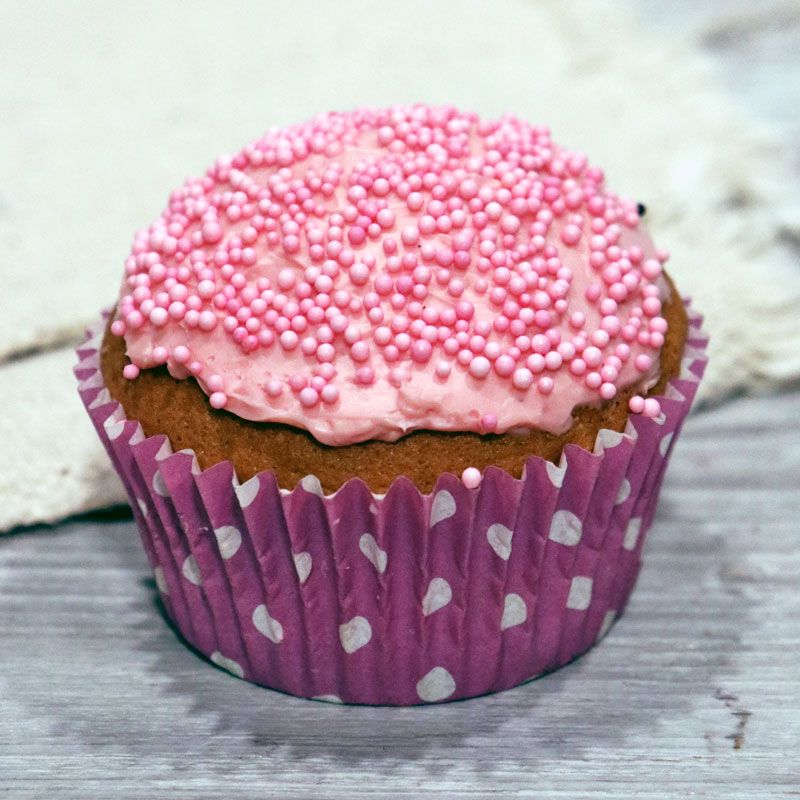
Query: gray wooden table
[(694, 693)]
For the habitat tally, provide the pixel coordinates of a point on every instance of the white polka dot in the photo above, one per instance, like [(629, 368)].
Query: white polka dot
[(624, 492), (302, 565), (227, 663), (165, 451), (328, 698), (229, 540), (161, 581), (142, 506), (113, 428), (663, 445), (566, 528), (312, 485), (580, 593), (247, 491), (355, 634), (515, 612), (439, 594), (660, 419), (608, 621), (607, 438), (266, 625), (191, 571), (443, 507), (632, 533), (102, 398), (556, 473), (159, 485), (369, 547), (437, 685), (94, 381), (499, 538), (673, 393)]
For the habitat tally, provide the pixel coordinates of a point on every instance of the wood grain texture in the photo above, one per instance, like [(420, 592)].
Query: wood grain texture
[(694, 693)]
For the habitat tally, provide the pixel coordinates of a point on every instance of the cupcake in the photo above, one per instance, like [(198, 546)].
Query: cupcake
[(393, 393)]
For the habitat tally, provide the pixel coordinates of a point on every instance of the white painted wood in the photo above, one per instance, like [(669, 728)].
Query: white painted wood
[(101, 114), (694, 693)]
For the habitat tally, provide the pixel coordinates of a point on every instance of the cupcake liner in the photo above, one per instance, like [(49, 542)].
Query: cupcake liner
[(405, 597)]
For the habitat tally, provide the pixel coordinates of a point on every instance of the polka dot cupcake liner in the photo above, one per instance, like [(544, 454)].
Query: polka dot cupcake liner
[(405, 597)]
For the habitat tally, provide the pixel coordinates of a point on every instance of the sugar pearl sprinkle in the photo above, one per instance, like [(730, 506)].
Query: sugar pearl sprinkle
[(357, 249)]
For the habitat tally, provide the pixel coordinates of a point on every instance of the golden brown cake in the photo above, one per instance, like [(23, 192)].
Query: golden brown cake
[(180, 409)]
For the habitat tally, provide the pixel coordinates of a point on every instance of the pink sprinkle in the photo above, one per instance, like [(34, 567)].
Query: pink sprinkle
[(608, 391), (577, 320), (329, 394), (593, 356), (130, 371), (327, 371), (651, 269), (545, 385), (288, 340), (577, 366), (308, 397), (218, 400), (636, 404), (471, 477), (443, 369), (652, 408), (359, 351), (274, 387), (553, 360), (536, 363), (651, 306), (464, 310), (479, 367), (523, 378), (326, 352), (571, 235), (180, 354), (488, 423), (212, 232), (206, 289), (593, 293), (365, 376), (593, 380), (504, 365), (207, 320), (159, 317), (297, 382), (421, 351)]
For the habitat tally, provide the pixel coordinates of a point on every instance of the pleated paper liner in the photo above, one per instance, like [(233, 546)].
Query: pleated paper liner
[(405, 597)]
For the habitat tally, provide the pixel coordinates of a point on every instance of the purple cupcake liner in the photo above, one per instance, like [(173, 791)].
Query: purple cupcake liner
[(405, 597)]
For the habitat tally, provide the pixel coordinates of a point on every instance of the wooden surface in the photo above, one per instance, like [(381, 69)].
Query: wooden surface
[(694, 693)]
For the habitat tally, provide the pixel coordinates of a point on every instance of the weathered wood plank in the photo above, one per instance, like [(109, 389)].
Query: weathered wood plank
[(696, 691)]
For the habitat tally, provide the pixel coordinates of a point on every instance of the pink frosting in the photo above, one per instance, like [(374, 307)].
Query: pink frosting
[(376, 272)]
